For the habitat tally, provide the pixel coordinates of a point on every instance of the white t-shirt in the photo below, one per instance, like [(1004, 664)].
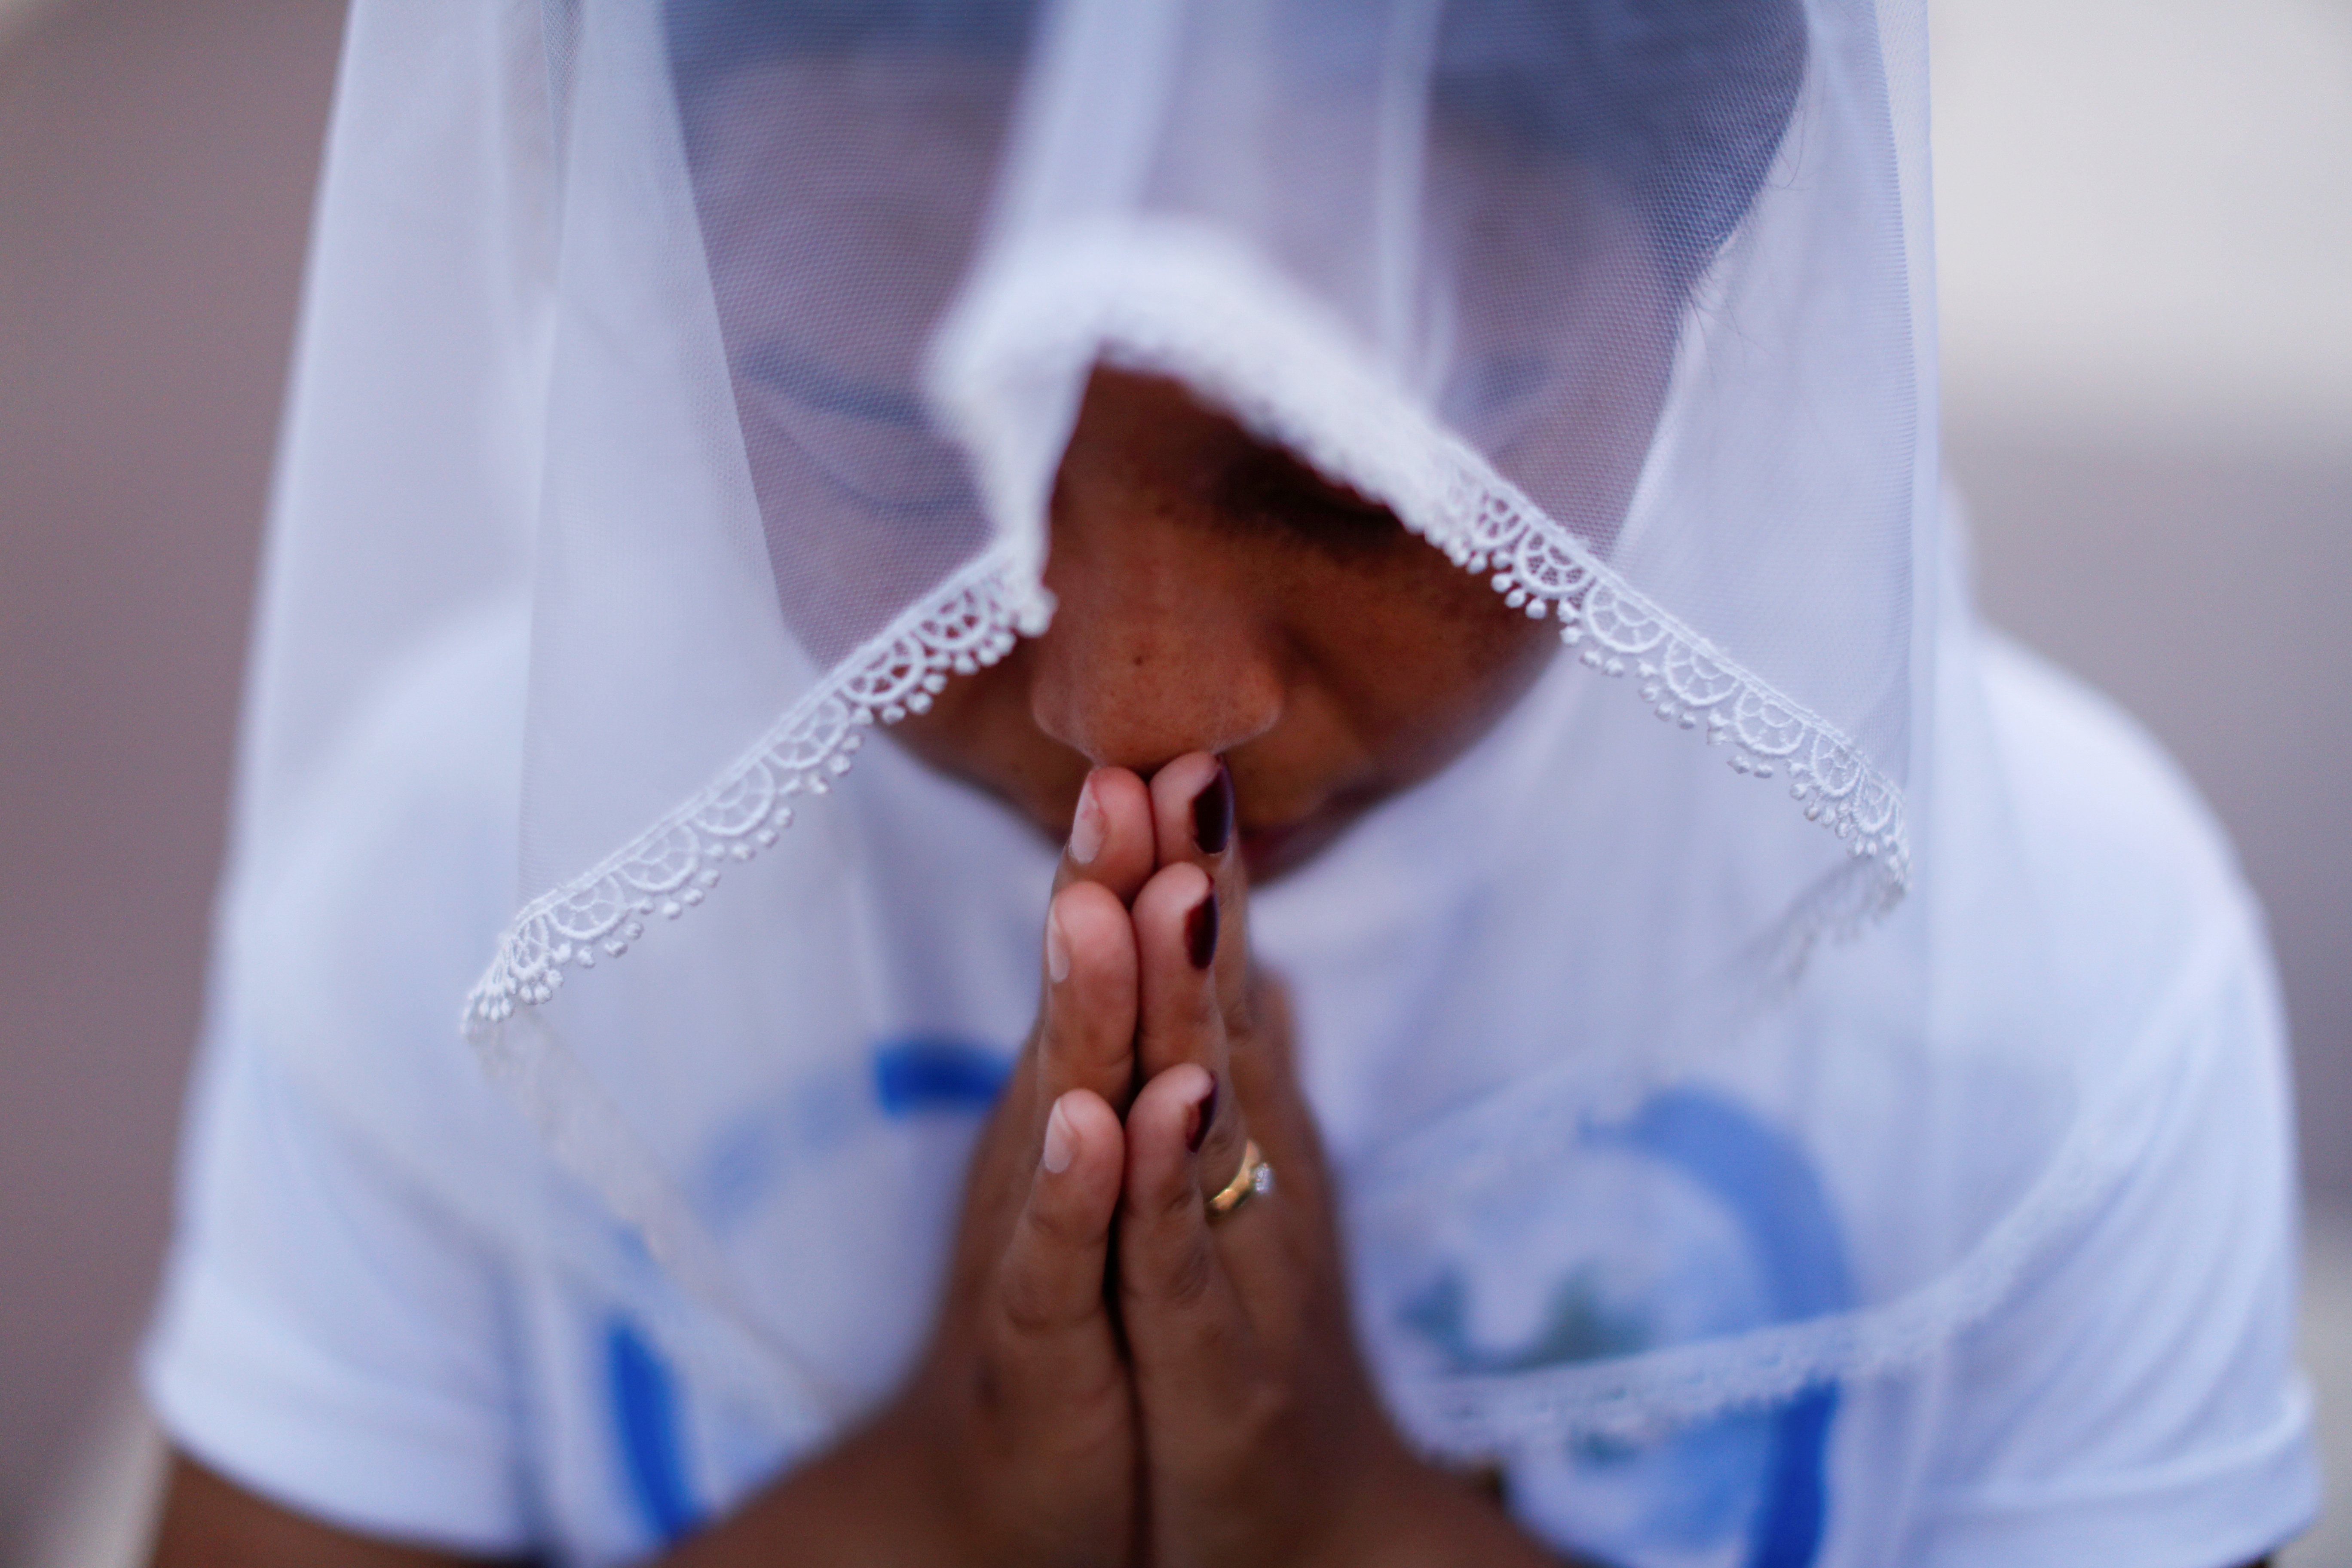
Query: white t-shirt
[(335, 1335)]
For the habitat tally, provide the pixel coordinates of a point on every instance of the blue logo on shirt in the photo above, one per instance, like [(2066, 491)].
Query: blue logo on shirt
[(1765, 1474), (930, 1072), (913, 1075), (645, 1413)]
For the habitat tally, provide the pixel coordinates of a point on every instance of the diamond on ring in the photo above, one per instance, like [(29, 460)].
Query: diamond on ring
[(1253, 1177)]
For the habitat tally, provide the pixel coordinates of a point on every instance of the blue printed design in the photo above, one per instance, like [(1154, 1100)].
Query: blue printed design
[(1770, 1188), (1578, 1326), (756, 1154), (930, 1073), (1763, 1475), (645, 1413), (748, 1161)]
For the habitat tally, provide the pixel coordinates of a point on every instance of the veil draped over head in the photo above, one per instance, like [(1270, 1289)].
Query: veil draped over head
[(684, 382)]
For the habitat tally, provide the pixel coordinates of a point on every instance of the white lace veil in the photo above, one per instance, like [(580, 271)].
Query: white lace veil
[(718, 356)]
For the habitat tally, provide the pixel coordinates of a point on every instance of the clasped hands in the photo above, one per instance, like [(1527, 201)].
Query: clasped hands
[(1117, 1376)]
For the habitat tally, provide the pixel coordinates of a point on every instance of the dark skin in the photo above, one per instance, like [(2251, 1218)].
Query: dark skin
[(1114, 1378), (1216, 595)]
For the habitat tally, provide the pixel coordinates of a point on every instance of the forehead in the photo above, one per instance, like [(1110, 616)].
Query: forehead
[(844, 192), (843, 188), (841, 194)]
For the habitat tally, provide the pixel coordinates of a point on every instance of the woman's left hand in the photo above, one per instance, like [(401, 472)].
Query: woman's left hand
[(1264, 1441)]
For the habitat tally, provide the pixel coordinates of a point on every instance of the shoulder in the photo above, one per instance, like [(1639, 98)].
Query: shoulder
[(2098, 798), (2134, 1395), (352, 927), (405, 825), (332, 1328), (2091, 783), (2135, 893)]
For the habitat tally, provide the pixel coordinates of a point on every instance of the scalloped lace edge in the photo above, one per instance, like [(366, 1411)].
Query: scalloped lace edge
[(1273, 368), (968, 622), (1167, 295), (1484, 525)]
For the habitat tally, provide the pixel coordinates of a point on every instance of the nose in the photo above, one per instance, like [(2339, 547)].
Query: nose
[(1162, 643)]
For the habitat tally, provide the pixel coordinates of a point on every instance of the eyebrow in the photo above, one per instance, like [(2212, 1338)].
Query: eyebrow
[(812, 384)]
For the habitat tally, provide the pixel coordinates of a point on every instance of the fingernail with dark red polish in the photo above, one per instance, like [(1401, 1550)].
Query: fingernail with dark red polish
[(1205, 1115), (1200, 930), (1213, 813)]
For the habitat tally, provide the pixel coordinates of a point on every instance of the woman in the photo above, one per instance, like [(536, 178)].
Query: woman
[(1239, 460)]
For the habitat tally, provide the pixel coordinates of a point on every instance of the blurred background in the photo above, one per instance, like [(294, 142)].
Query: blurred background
[(2146, 245)]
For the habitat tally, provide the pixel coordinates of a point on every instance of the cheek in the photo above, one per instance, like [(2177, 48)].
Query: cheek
[(1422, 656)]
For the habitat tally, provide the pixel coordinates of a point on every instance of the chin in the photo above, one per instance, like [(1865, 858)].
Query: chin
[(1273, 853)]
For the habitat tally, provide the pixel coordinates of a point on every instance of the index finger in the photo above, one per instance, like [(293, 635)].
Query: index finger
[(1086, 1016), (1111, 840), (1193, 823)]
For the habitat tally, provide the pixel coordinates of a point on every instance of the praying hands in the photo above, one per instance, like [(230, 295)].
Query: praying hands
[(1145, 1354)]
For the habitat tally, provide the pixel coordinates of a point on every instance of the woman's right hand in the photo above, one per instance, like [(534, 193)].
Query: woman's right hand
[(1015, 1440), (1026, 1395)]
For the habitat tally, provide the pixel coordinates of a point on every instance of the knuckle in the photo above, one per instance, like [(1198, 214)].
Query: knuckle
[(1029, 1312), (1271, 1409), (1035, 1285), (1029, 1305), (1189, 1270), (1237, 1009), (1060, 1229), (986, 1386), (1170, 1211)]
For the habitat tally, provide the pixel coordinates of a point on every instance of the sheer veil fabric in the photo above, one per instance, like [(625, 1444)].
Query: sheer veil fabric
[(693, 375)]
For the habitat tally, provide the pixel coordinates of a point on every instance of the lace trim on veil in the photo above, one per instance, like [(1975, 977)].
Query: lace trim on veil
[(969, 621), (1167, 298), (1170, 297)]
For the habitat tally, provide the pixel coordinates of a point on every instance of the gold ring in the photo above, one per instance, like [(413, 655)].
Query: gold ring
[(1253, 1177)]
